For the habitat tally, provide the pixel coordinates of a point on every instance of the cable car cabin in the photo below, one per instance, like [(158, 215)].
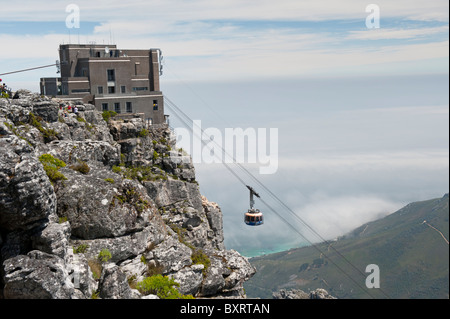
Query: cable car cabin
[(253, 217)]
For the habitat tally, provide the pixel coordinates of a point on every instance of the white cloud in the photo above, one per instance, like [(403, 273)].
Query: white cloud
[(420, 160), (332, 217), (386, 33), (203, 40), (179, 10), (31, 47)]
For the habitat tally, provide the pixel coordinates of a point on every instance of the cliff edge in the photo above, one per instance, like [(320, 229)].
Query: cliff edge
[(92, 205)]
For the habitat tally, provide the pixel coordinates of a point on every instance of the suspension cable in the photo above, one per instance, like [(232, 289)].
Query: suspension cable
[(30, 69)]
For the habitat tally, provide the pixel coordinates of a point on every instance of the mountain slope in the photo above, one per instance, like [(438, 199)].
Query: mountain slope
[(413, 258)]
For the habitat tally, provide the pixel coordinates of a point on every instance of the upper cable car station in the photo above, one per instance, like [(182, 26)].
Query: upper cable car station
[(112, 79)]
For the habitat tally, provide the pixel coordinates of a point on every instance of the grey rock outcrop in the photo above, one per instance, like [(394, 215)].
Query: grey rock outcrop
[(113, 283), (23, 205), (37, 275), (124, 206), (319, 293)]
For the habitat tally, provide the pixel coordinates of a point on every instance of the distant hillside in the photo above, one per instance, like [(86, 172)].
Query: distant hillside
[(413, 258)]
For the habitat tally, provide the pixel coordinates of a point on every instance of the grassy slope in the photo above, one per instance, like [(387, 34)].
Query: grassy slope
[(413, 259)]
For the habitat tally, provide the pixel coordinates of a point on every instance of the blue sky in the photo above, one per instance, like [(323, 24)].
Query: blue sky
[(362, 113)]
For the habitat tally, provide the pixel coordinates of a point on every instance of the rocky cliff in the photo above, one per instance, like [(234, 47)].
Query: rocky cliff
[(90, 206), (318, 293)]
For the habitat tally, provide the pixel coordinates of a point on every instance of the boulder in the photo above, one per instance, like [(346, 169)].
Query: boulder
[(53, 239), (97, 208), (114, 284), (172, 255), (37, 275), (190, 279), (47, 110), (81, 274), (26, 194), (319, 293)]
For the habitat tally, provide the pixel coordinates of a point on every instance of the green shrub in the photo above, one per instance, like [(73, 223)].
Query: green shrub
[(162, 286), (51, 167), (104, 255), (50, 160), (134, 198), (83, 120), (95, 294), (109, 180), (155, 155), (49, 134), (80, 249), (143, 133), (81, 167), (116, 169), (108, 114), (140, 173), (199, 257)]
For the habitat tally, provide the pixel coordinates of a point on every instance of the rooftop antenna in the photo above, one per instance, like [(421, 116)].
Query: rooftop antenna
[(160, 58)]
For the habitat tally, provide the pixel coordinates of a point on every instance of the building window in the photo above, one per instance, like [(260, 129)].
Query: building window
[(136, 68), (117, 107), (100, 90), (140, 88), (111, 75), (123, 89), (155, 105), (104, 106), (80, 91), (129, 107), (111, 89)]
